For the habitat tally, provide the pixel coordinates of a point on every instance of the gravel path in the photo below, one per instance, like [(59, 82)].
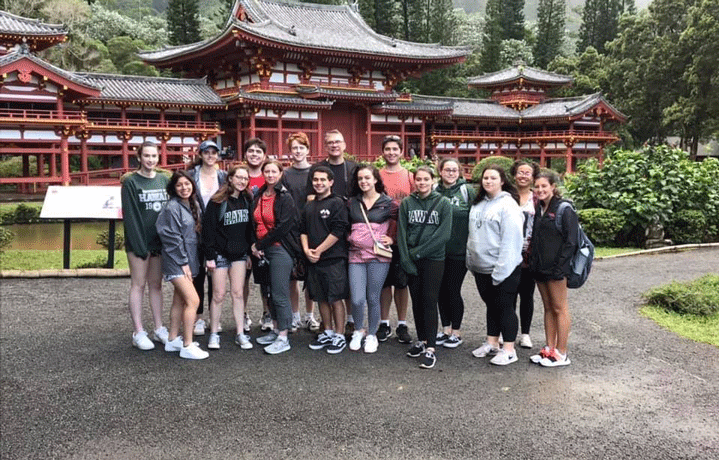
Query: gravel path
[(74, 387)]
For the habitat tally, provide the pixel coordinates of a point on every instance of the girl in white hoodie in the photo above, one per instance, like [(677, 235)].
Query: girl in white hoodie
[(494, 255)]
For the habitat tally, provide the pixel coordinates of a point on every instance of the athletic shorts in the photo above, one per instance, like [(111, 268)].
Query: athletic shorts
[(327, 281), (396, 276)]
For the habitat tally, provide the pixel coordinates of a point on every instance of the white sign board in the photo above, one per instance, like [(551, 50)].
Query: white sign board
[(82, 202)]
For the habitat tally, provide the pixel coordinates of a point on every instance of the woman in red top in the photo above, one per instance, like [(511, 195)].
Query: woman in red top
[(276, 227)]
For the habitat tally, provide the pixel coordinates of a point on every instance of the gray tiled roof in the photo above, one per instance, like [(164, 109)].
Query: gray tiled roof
[(280, 99), (73, 77), (473, 108), (415, 106), (154, 89), (12, 24), (516, 72), (329, 93), (322, 27), (563, 107)]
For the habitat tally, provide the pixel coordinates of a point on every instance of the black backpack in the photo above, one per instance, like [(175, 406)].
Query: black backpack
[(583, 256)]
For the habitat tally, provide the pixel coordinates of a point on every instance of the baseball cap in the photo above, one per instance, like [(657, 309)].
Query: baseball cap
[(208, 144)]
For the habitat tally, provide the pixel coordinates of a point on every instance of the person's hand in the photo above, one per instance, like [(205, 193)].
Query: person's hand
[(313, 255), (386, 240), (186, 270), (248, 264), (255, 252), (210, 264)]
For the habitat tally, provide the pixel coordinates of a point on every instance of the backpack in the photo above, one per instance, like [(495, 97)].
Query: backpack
[(584, 254)]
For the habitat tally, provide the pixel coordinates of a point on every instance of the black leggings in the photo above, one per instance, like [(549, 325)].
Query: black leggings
[(451, 305), (424, 290), (501, 302), (199, 283), (526, 299)]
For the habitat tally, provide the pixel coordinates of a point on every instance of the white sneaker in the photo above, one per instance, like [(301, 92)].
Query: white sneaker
[(503, 358), (278, 346), (370, 344), (484, 350), (199, 327), (356, 342), (160, 335), (174, 345), (266, 322), (248, 323), (525, 341), (243, 341), (543, 353), (311, 323), (141, 341), (214, 342), (296, 324), (193, 351)]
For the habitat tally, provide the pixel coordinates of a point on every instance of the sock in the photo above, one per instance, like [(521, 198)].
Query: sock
[(385, 322), (350, 319), (296, 316), (308, 315), (329, 333), (401, 323)]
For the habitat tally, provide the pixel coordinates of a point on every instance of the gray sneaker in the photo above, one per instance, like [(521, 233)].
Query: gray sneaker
[(267, 339), (280, 345)]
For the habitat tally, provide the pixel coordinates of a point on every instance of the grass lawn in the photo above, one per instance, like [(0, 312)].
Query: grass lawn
[(52, 259), (603, 251), (11, 206), (698, 328)]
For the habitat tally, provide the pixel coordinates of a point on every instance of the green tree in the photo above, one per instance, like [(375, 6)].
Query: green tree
[(183, 21), (511, 19), (600, 22), (551, 17), (492, 37), (512, 51)]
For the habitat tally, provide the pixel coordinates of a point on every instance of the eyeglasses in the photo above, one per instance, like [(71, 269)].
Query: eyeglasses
[(333, 142), (451, 170), (524, 173)]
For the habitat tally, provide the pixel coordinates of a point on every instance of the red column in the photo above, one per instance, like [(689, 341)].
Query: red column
[(542, 155), (124, 136), (64, 160), (422, 143), (83, 156), (238, 125), (368, 152)]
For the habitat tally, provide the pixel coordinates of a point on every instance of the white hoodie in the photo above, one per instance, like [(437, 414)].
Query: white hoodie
[(495, 237)]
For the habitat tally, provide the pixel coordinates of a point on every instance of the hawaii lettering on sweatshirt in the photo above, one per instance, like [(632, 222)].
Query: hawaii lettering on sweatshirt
[(430, 243)]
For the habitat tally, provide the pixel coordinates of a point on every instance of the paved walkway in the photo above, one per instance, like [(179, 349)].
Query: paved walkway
[(74, 387)]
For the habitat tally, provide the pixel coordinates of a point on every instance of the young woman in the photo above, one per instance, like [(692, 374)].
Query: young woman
[(550, 261), (227, 234), (208, 179), (276, 225), (425, 227), (178, 226), (295, 179), (451, 306), (524, 173), (494, 255), (372, 216), (143, 195)]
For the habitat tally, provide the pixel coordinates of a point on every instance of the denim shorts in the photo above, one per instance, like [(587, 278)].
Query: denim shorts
[(222, 262), (169, 278)]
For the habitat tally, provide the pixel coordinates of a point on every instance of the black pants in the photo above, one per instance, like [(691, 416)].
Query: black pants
[(501, 302), (424, 290), (451, 305), (526, 299), (199, 283)]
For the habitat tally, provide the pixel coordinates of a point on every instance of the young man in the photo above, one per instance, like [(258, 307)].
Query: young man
[(323, 233), (342, 170), (398, 183), (255, 155), (295, 179)]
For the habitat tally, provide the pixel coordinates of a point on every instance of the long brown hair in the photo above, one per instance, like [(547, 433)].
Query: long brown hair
[(194, 207), (228, 189)]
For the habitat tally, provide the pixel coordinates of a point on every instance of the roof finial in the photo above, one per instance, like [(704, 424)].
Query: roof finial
[(292, 30), (354, 5), (24, 47), (519, 62)]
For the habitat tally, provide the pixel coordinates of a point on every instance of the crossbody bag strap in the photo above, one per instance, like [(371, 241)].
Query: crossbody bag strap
[(362, 207)]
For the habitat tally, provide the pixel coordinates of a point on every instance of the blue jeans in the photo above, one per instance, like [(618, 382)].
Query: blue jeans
[(366, 281), (280, 270)]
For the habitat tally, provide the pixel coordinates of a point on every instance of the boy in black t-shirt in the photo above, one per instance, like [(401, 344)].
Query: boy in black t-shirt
[(323, 232)]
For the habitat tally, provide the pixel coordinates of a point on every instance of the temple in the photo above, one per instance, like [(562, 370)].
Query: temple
[(275, 68)]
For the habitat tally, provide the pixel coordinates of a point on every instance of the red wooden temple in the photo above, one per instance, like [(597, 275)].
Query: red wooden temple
[(276, 67)]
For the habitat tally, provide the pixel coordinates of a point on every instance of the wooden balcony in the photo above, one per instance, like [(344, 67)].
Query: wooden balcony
[(520, 138), (152, 126), (26, 117)]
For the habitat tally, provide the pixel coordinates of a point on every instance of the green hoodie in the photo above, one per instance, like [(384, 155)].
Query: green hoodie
[(412, 217), (461, 202)]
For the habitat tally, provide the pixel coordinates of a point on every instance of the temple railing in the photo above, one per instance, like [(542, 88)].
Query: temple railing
[(35, 116), (520, 138)]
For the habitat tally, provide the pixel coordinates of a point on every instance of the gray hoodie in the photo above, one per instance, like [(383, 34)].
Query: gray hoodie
[(495, 238), (176, 229)]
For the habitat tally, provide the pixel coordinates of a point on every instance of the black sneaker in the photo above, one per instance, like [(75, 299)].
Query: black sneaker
[(338, 344), (441, 338), (403, 334), (349, 329), (428, 360), (452, 341), (417, 349), (323, 340), (384, 332)]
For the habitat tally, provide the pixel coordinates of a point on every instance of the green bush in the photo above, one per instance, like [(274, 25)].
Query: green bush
[(504, 162), (6, 237), (699, 297), (7, 217), (25, 214), (687, 226), (99, 262), (103, 239), (601, 225)]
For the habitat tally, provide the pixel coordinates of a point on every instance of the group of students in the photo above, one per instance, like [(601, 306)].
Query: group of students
[(352, 233)]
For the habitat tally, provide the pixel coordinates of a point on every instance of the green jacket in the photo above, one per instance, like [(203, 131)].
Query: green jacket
[(432, 242), (461, 202), (142, 200)]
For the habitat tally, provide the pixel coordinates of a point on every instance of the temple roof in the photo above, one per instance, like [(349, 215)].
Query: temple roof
[(154, 90), (82, 85), (314, 91), (517, 72), (274, 100), (473, 108), (12, 24), (568, 107), (324, 28)]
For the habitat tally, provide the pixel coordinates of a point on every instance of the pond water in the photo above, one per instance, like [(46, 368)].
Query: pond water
[(50, 236)]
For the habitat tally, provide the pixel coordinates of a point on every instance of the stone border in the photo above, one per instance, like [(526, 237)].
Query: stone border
[(124, 273)]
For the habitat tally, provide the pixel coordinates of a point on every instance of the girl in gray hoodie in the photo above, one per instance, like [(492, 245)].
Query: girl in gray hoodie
[(494, 255)]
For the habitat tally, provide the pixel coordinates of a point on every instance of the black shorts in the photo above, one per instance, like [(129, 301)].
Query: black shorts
[(396, 276), (327, 281)]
